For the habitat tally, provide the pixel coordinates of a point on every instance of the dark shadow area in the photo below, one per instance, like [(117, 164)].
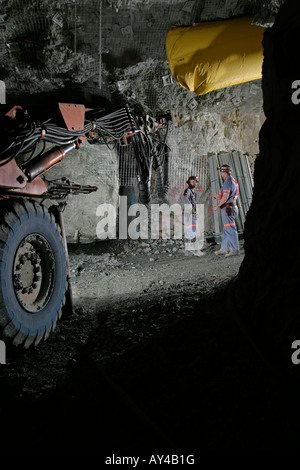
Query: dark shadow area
[(128, 58), (42, 105), (196, 385), (266, 292), (222, 376)]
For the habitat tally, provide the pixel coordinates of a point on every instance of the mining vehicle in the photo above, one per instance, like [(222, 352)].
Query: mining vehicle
[(35, 287)]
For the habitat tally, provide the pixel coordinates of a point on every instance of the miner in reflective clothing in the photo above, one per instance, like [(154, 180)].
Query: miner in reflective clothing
[(190, 218), (229, 212)]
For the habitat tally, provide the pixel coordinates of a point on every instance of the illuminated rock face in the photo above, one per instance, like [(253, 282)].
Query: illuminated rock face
[(267, 289)]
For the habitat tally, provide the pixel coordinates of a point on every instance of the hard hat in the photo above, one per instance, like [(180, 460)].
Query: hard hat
[(225, 168), (196, 178)]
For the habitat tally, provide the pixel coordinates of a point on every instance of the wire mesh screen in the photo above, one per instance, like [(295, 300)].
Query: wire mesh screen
[(118, 45), (181, 165), (187, 164), (127, 166), (83, 39)]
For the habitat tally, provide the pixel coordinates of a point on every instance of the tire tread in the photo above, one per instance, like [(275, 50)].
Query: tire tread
[(12, 213)]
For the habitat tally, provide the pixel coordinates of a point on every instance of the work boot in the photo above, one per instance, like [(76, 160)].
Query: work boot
[(194, 253), (188, 253), (198, 253), (232, 253), (220, 252)]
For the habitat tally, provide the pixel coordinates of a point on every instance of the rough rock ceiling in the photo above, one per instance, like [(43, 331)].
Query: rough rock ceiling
[(45, 45)]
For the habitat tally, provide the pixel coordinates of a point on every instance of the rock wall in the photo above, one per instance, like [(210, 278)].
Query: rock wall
[(48, 46), (92, 165), (220, 122)]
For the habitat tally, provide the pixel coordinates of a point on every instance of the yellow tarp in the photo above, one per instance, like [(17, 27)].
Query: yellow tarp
[(213, 55)]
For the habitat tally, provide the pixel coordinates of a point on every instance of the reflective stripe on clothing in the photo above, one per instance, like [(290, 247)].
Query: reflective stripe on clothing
[(227, 225)]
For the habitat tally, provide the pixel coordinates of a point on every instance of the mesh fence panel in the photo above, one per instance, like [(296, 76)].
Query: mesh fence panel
[(127, 167), (118, 44), (83, 32), (185, 165)]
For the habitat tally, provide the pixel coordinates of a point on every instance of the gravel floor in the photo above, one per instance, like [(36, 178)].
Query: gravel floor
[(151, 361)]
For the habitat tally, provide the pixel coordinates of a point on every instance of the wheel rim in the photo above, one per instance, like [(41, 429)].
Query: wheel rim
[(34, 273)]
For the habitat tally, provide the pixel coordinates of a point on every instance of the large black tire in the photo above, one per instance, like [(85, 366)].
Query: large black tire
[(33, 272)]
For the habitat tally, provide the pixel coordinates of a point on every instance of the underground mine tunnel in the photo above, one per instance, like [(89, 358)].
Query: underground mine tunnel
[(111, 337)]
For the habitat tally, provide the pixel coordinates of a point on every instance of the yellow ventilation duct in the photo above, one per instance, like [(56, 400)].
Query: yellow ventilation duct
[(213, 55)]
